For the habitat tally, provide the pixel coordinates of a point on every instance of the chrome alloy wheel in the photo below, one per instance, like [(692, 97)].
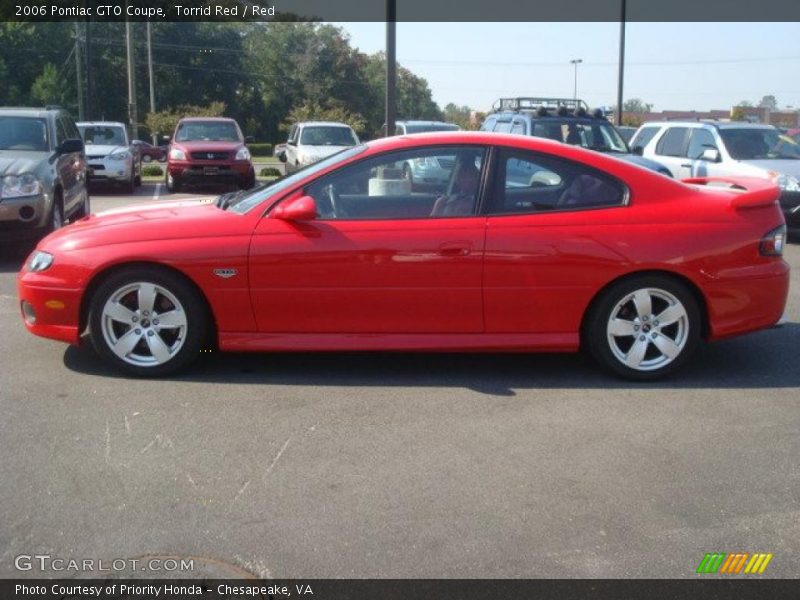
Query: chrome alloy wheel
[(144, 324), (648, 329)]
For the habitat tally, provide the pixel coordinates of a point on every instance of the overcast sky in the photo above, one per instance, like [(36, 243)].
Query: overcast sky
[(670, 65)]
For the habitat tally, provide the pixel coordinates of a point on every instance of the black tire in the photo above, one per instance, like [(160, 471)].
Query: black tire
[(130, 185), (146, 158), (84, 209), (172, 184), (653, 348), (248, 182), (179, 345), (55, 220), (138, 181)]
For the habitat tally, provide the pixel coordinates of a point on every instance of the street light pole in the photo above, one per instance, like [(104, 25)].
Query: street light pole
[(391, 65), (621, 78), (576, 62)]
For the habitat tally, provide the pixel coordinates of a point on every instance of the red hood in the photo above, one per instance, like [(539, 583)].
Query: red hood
[(209, 146), (148, 222)]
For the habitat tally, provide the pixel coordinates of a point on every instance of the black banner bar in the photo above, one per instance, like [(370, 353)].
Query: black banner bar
[(734, 588), (407, 10)]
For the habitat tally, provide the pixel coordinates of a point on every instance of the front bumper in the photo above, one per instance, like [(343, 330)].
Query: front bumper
[(21, 216), (105, 169), (211, 171), (50, 312)]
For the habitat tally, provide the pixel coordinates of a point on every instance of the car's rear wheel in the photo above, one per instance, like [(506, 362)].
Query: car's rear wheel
[(146, 158), (644, 327), (148, 322)]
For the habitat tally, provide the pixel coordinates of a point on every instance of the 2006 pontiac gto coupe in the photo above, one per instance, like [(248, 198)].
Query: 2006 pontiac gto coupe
[(526, 245)]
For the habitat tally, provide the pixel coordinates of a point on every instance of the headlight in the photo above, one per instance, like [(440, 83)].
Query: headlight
[(40, 261), (177, 154), (122, 155), (15, 186), (787, 183), (243, 154)]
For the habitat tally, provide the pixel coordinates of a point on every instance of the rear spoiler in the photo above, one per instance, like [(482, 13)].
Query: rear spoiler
[(750, 192)]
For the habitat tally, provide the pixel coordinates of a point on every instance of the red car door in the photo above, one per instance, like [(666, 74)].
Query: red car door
[(376, 260)]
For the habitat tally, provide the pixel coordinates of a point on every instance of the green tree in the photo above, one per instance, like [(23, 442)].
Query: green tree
[(636, 106), (331, 111), (46, 88), (769, 102)]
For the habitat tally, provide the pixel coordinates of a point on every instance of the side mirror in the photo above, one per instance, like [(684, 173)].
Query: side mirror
[(710, 154), (291, 143), (249, 139), (300, 209), (638, 150), (70, 146)]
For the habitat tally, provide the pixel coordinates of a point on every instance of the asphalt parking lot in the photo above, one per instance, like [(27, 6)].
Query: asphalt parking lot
[(400, 465)]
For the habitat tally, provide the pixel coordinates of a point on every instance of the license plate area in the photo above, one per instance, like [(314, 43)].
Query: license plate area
[(210, 170)]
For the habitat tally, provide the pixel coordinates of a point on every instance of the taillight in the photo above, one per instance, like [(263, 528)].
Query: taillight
[(773, 241)]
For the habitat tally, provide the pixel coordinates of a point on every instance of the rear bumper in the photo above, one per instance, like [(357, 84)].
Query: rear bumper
[(754, 300)]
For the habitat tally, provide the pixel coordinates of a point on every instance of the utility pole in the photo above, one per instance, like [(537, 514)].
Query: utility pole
[(575, 62), (621, 63), (79, 71), (391, 65), (152, 83), (89, 76), (132, 115)]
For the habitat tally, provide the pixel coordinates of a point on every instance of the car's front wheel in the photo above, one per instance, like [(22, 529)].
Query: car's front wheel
[(644, 327), (147, 321), (173, 185)]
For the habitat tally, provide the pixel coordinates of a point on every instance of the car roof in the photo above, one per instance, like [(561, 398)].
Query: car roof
[(413, 122), (325, 123), (717, 124), (84, 123), (221, 119), (533, 115), (20, 111)]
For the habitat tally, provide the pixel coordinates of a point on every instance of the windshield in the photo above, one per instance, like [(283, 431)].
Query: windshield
[(752, 144), (423, 127), (327, 136), (23, 133), (597, 135), (207, 131), (256, 196), (102, 135)]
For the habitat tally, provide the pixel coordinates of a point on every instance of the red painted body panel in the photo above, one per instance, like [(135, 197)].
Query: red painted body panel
[(515, 283)]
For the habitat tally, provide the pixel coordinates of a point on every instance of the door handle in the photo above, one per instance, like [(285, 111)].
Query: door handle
[(454, 249), (687, 165)]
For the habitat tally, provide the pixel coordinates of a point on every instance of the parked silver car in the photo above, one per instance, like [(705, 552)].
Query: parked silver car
[(42, 172), (719, 149), (111, 155), (314, 140)]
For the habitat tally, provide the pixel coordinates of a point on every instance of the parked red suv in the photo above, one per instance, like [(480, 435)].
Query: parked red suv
[(208, 150)]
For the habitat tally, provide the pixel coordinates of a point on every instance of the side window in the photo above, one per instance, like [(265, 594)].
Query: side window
[(398, 130), (672, 142), (503, 127), (701, 140), (518, 127), (292, 133), (528, 182), (488, 124), (643, 137), (412, 184)]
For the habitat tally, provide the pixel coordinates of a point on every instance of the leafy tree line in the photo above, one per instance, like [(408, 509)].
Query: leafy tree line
[(265, 75)]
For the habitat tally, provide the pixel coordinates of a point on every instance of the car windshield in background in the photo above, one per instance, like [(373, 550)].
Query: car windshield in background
[(753, 144), (597, 135), (425, 128), (102, 136), (23, 133), (327, 136), (254, 197), (209, 131)]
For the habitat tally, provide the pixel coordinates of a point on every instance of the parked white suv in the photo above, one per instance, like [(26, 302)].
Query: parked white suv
[(314, 140), (720, 149), (111, 156)]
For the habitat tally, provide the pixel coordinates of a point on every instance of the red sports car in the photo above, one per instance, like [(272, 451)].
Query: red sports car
[(531, 245)]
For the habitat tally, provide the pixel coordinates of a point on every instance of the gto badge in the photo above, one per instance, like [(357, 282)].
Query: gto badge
[(225, 273)]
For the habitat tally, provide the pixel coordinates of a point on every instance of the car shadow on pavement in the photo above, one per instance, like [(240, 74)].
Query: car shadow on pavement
[(12, 257), (767, 359)]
